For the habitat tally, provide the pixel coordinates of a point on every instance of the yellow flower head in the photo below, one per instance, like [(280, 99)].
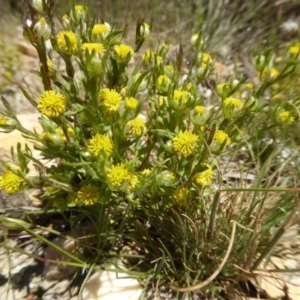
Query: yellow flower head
[(69, 47), (286, 117), (185, 143), (200, 110), (11, 182), (61, 133), (3, 121), (101, 30), (204, 178), (88, 195), (233, 102), (131, 103), (163, 80), (100, 142), (51, 104), (90, 47), (145, 30), (149, 56), (147, 172), (110, 99), (222, 86), (221, 136), (270, 73), (124, 52), (294, 50), (181, 95), (136, 126), (121, 178), (181, 196), (205, 60)]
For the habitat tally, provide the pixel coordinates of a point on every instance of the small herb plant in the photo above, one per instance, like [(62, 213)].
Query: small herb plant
[(138, 151)]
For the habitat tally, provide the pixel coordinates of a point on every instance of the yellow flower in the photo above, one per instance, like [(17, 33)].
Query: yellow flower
[(181, 196), (294, 50), (61, 133), (205, 60), (110, 99), (121, 178), (88, 195), (181, 95), (11, 182), (147, 172), (3, 121), (145, 30), (100, 142), (136, 126), (222, 86), (149, 56), (101, 30), (185, 143), (163, 83), (131, 103), (236, 103), (69, 47), (205, 177), (286, 117), (270, 73), (124, 52), (221, 136), (90, 47), (52, 104), (200, 110), (248, 86)]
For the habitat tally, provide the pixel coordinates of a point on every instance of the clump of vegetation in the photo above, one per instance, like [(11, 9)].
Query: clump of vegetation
[(139, 152)]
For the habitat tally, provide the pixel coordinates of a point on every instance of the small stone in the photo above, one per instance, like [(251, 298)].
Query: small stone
[(108, 285)]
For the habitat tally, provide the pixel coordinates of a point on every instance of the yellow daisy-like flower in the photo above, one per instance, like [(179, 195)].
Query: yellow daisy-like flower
[(221, 136), (204, 178), (110, 99), (185, 143), (88, 195), (236, 103), (11, 182), (62, 43), (136, 126), (222, 86), (100, 142), (286, 117), (131, 103), (121, 178), (181, 95), (90, 47), (101, 29), (181, 196), (123, 52), (51, 104)]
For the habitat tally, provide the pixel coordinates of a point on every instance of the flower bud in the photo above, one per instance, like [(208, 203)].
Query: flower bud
[(7, 124), (52, 140), (42, 29), (38, 5), (145, 30), (163, 83)]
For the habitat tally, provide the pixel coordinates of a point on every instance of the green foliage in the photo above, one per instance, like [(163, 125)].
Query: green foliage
[(139, 151)]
